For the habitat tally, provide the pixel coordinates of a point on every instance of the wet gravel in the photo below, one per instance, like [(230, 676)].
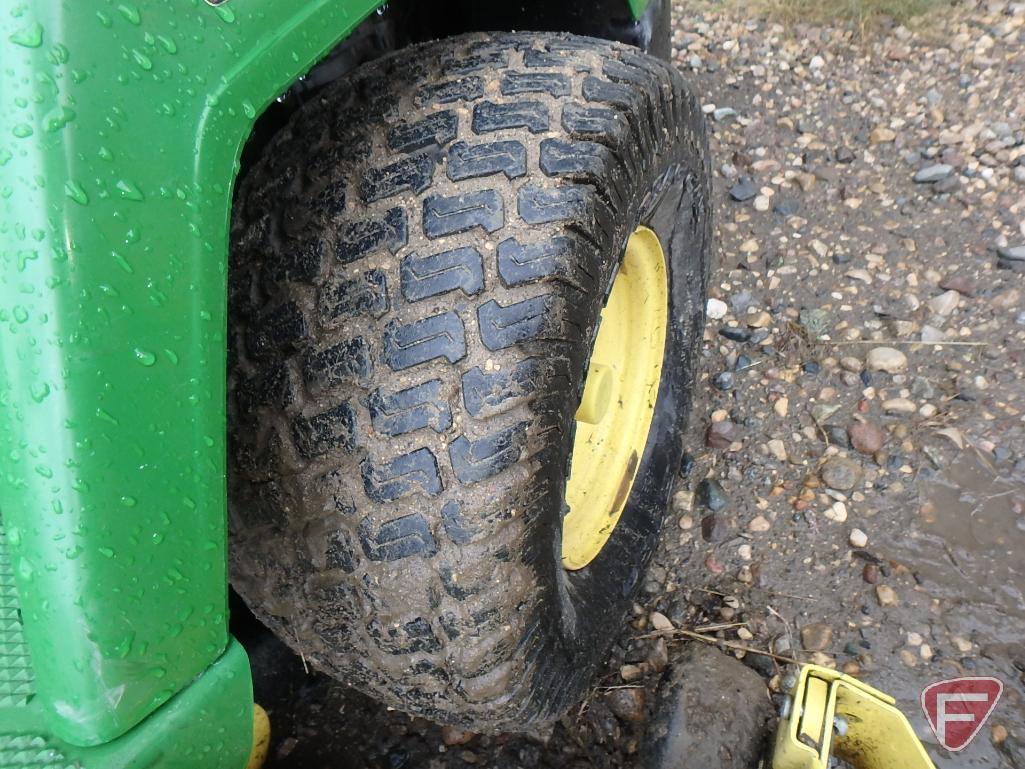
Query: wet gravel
[(854, 492)]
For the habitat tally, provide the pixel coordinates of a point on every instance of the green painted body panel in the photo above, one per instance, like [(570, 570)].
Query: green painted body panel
[(637, 7), (120, 129)]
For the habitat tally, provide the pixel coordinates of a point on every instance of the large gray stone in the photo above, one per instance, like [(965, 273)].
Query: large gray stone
[(711, 711)]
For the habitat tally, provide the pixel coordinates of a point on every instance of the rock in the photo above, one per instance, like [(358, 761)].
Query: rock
[(899, 406), (949, 184), (628, 703), (816, 637), (735, 333), (817, 62), (781, 406), (787, 207), (840, 473), (723, 381), (836, 512), (934, 173), (777, 448), (710, 494), (866, 438), (958, 283), (743, 190), (658, 657), (886, 359), (1012, 258), (945, 303), (631, 673), (882, 135), (686, 464), (870, 573), (886, 596), (857, 539), (852, 364), (716, 309), (661, 622), (933, 335), (714, 528), (711, 710), (713, 565), (723, 114), (721, 435), (759, 320), (759, 524), (451, 736)]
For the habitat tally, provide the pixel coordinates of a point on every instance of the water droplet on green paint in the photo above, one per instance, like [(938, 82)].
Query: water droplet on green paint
[(248, 109), (142, 59), (39, 391), (57, 118), (29, 37), (76, 192), (225, 13), (25, 256), (145, 357), (129, 501), (22, 130), (105, 417), (122, 262), (130, 12), (59, 54), (169, 45), (124, 646), (106, 552), (129, 189)]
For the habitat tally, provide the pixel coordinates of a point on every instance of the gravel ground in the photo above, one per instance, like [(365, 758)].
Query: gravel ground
[(855, 494)]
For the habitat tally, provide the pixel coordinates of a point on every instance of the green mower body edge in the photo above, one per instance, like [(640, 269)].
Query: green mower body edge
[(120, 136), (119, 141)]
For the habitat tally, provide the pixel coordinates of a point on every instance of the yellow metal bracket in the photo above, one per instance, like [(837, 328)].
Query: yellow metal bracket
[(827, 713)]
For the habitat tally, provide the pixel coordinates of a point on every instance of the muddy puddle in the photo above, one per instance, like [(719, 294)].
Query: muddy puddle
[(966, 552)]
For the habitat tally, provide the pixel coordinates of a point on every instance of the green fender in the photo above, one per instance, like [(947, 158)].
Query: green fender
[(120, 130)]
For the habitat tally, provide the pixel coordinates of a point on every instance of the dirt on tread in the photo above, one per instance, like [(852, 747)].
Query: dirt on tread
[(419, 261)]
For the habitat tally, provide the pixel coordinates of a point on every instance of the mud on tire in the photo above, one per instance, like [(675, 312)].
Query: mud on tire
[(419, 261)]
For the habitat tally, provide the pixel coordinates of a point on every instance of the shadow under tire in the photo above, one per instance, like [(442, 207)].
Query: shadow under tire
[(419, 261)]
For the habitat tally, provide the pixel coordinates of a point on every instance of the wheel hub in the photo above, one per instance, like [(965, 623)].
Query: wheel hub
[(618, 402)]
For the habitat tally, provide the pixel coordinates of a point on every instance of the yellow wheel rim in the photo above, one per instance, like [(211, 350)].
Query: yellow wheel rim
[(619, 400), (261, 738)]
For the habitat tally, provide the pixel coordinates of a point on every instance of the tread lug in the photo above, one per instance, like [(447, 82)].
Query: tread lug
[(412, 473), (439, 336), (475, 461)]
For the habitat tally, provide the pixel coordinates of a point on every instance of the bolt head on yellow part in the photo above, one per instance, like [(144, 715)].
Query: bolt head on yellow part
[(618, 402)]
